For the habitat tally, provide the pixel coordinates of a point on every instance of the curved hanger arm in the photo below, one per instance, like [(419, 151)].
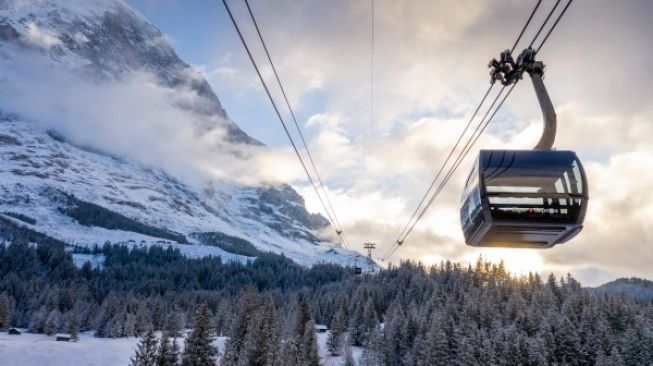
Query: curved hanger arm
[(548, 112)]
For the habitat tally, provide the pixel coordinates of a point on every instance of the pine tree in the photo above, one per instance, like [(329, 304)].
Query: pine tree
[(291, 354), (637, 347), (199, 349), (244, 326), (37, 320), (336, 335), (72, 327), (223, 317), (615, 358), (262, 340), (302, 314), (168, 352), (395, 344), (372, 352), (52, 322), (436, 347), (567, 341), (142, 321), (356, 324), (349, 357), (7, 305), (146, 353), (173, 323), (310, 344), (370, 319)]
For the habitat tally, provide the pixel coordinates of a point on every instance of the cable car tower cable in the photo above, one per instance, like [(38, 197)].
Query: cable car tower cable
[(330, 218), (338, 226), (371, 132)]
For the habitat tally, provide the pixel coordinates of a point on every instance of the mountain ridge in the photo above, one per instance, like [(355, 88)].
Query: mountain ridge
[(105, 43), (634, 287)]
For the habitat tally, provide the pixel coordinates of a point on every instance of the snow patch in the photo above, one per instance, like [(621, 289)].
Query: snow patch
[(39, 349)]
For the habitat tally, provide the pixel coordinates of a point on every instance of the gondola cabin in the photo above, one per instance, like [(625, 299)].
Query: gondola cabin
[(524, 199), (358, 270)]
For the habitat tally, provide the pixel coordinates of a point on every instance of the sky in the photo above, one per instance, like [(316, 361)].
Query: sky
[(429, 74)]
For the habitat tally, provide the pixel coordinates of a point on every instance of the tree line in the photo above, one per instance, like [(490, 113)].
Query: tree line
[(410, 314)]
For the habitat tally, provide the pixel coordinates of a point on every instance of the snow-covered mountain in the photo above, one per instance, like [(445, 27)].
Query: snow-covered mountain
[(55, 183)]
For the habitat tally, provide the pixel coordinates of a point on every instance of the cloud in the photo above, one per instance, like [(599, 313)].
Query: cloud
[(133, 117), (429, 72)]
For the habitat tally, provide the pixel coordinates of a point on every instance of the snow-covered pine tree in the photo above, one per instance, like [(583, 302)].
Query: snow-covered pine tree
[(373, 350), (370, 319), (223, 317), (636, 347), (173, 323), (291, 354), (52, 322), (336, 335), (7, 305), (142, 321), (199, 349), (272, 332), (436, 347), (356, 323), (244, 325), (72, 325), (310, 344), (614, 359), (349, 356), (394, 329), (146, 351), (168, 352), (263, 338), (302, 314)]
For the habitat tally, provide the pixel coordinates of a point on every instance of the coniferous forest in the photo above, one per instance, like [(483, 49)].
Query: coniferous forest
[(446, 314)]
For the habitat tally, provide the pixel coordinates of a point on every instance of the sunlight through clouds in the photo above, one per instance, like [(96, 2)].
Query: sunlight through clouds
[(430, 71)]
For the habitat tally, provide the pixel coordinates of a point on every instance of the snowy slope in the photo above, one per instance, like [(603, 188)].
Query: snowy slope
[(104, 41)]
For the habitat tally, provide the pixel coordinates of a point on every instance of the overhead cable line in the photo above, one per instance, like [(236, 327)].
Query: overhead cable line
[(371, 133), (554, 25), (420, 211), (338, 226), (446, 161), (414, 219), (525, 26), (465, 152), (278, 113), (544, 23)]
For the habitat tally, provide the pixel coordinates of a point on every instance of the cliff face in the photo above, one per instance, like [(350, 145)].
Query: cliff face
[(106, 42)]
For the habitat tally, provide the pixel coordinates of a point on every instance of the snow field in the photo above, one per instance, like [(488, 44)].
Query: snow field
[(31, 349)]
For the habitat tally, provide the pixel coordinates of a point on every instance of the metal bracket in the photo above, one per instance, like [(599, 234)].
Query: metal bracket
[(508, 71)]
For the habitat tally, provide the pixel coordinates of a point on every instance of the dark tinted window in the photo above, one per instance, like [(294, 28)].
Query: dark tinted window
[(532, 172)]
